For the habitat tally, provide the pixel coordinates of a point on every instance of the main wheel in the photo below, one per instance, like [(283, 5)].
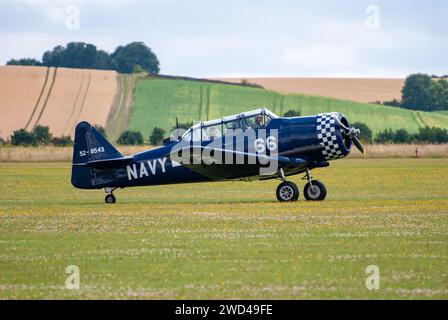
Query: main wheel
[(110, 198), (287, 191), (317, 192)]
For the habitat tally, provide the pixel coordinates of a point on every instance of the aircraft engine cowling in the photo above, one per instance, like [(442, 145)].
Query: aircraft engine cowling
[(330, 134)]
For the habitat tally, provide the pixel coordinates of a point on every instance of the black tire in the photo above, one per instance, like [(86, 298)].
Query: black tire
[(287, 191), (318, 193), (110, 198)]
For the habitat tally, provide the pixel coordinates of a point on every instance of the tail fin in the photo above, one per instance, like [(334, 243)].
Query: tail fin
[(90, 145)]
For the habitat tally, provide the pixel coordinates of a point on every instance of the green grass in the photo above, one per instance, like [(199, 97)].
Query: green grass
[(228, 239), (157, 102)]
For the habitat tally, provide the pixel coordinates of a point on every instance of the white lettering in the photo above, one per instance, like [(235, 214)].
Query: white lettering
[(132, 172), (162, 163), (152, 166), (143, 171)]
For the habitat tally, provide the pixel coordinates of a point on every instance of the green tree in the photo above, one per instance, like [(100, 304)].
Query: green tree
[(62, 141), (292, 113), (439, 94), (385, 136), (125, 58), (24, 62), (74, 55), (42, 135), (23, 138), (402, 136), (432, 135), (156, 137), (103, 61), (416, 93), (131, 138), (366, 133)]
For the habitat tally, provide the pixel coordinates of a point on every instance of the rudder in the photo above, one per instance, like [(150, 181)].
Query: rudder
[(89, 145)]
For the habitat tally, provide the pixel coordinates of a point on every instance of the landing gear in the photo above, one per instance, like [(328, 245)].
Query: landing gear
[(314, 190), (287, 191), (110, 198)]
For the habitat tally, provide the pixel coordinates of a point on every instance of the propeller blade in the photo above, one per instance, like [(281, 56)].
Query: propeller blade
[(358, 144)]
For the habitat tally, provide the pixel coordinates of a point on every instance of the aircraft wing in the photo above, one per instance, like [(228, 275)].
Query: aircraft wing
[(202, 162)]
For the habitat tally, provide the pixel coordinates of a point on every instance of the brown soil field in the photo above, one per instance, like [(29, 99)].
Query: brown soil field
[(28, 96), (355, 89), (20, 88)]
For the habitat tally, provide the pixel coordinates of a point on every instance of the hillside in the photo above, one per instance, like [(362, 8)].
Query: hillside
[(356, 89), (157, 102), (62, 97), (58, 98)]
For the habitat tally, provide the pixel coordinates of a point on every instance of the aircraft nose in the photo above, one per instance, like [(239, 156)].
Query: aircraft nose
[(330, 135)]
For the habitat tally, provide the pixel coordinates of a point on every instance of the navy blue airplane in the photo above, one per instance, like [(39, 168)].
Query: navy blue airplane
[(270, 147)]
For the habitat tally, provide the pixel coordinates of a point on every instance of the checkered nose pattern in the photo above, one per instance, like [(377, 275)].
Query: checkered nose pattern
[(327, 137)]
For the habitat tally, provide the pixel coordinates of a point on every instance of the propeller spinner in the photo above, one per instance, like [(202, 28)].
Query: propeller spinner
[(351, 133)]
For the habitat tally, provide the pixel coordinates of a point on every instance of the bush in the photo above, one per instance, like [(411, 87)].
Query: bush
[(131, 138), (63, 141), (156, 137), (42, 135), (366, 132), (402, 136), (247, 83), (385, 136), (392, 103), (425, 135), (432, 135), (24, 62), (292, 113), (23, 138)]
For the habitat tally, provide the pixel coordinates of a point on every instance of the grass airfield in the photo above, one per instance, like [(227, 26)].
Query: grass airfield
[(228, 240)]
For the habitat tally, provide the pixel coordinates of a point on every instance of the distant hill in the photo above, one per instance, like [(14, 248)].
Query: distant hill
[(355, 89), (157, 102), (62, 97)]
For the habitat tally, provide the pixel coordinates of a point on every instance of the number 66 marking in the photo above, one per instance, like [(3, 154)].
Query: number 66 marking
[(261, 145)]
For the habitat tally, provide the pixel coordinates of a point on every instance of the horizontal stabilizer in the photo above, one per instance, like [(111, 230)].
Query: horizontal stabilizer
[(109, 163)]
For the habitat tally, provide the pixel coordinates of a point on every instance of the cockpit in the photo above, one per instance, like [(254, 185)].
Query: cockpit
[(213, 129)]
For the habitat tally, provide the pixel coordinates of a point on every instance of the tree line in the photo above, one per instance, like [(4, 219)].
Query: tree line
[(135, 56), (422, 92), (41, 136), (425, 134)]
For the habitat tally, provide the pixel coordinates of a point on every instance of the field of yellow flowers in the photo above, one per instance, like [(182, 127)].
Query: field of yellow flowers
[(228, 239)]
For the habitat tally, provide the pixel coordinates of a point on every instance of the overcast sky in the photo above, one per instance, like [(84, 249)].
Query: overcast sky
[(205, 38)]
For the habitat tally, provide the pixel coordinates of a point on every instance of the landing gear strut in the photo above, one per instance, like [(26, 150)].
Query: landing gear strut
[(110, 198), (287, 191), (314, 190)]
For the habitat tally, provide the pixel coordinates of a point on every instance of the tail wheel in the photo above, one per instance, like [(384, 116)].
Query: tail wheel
[(287, 191), (110, 198), (315, 191)]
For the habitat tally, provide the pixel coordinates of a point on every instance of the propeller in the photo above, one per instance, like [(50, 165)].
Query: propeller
[(351, 133)]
